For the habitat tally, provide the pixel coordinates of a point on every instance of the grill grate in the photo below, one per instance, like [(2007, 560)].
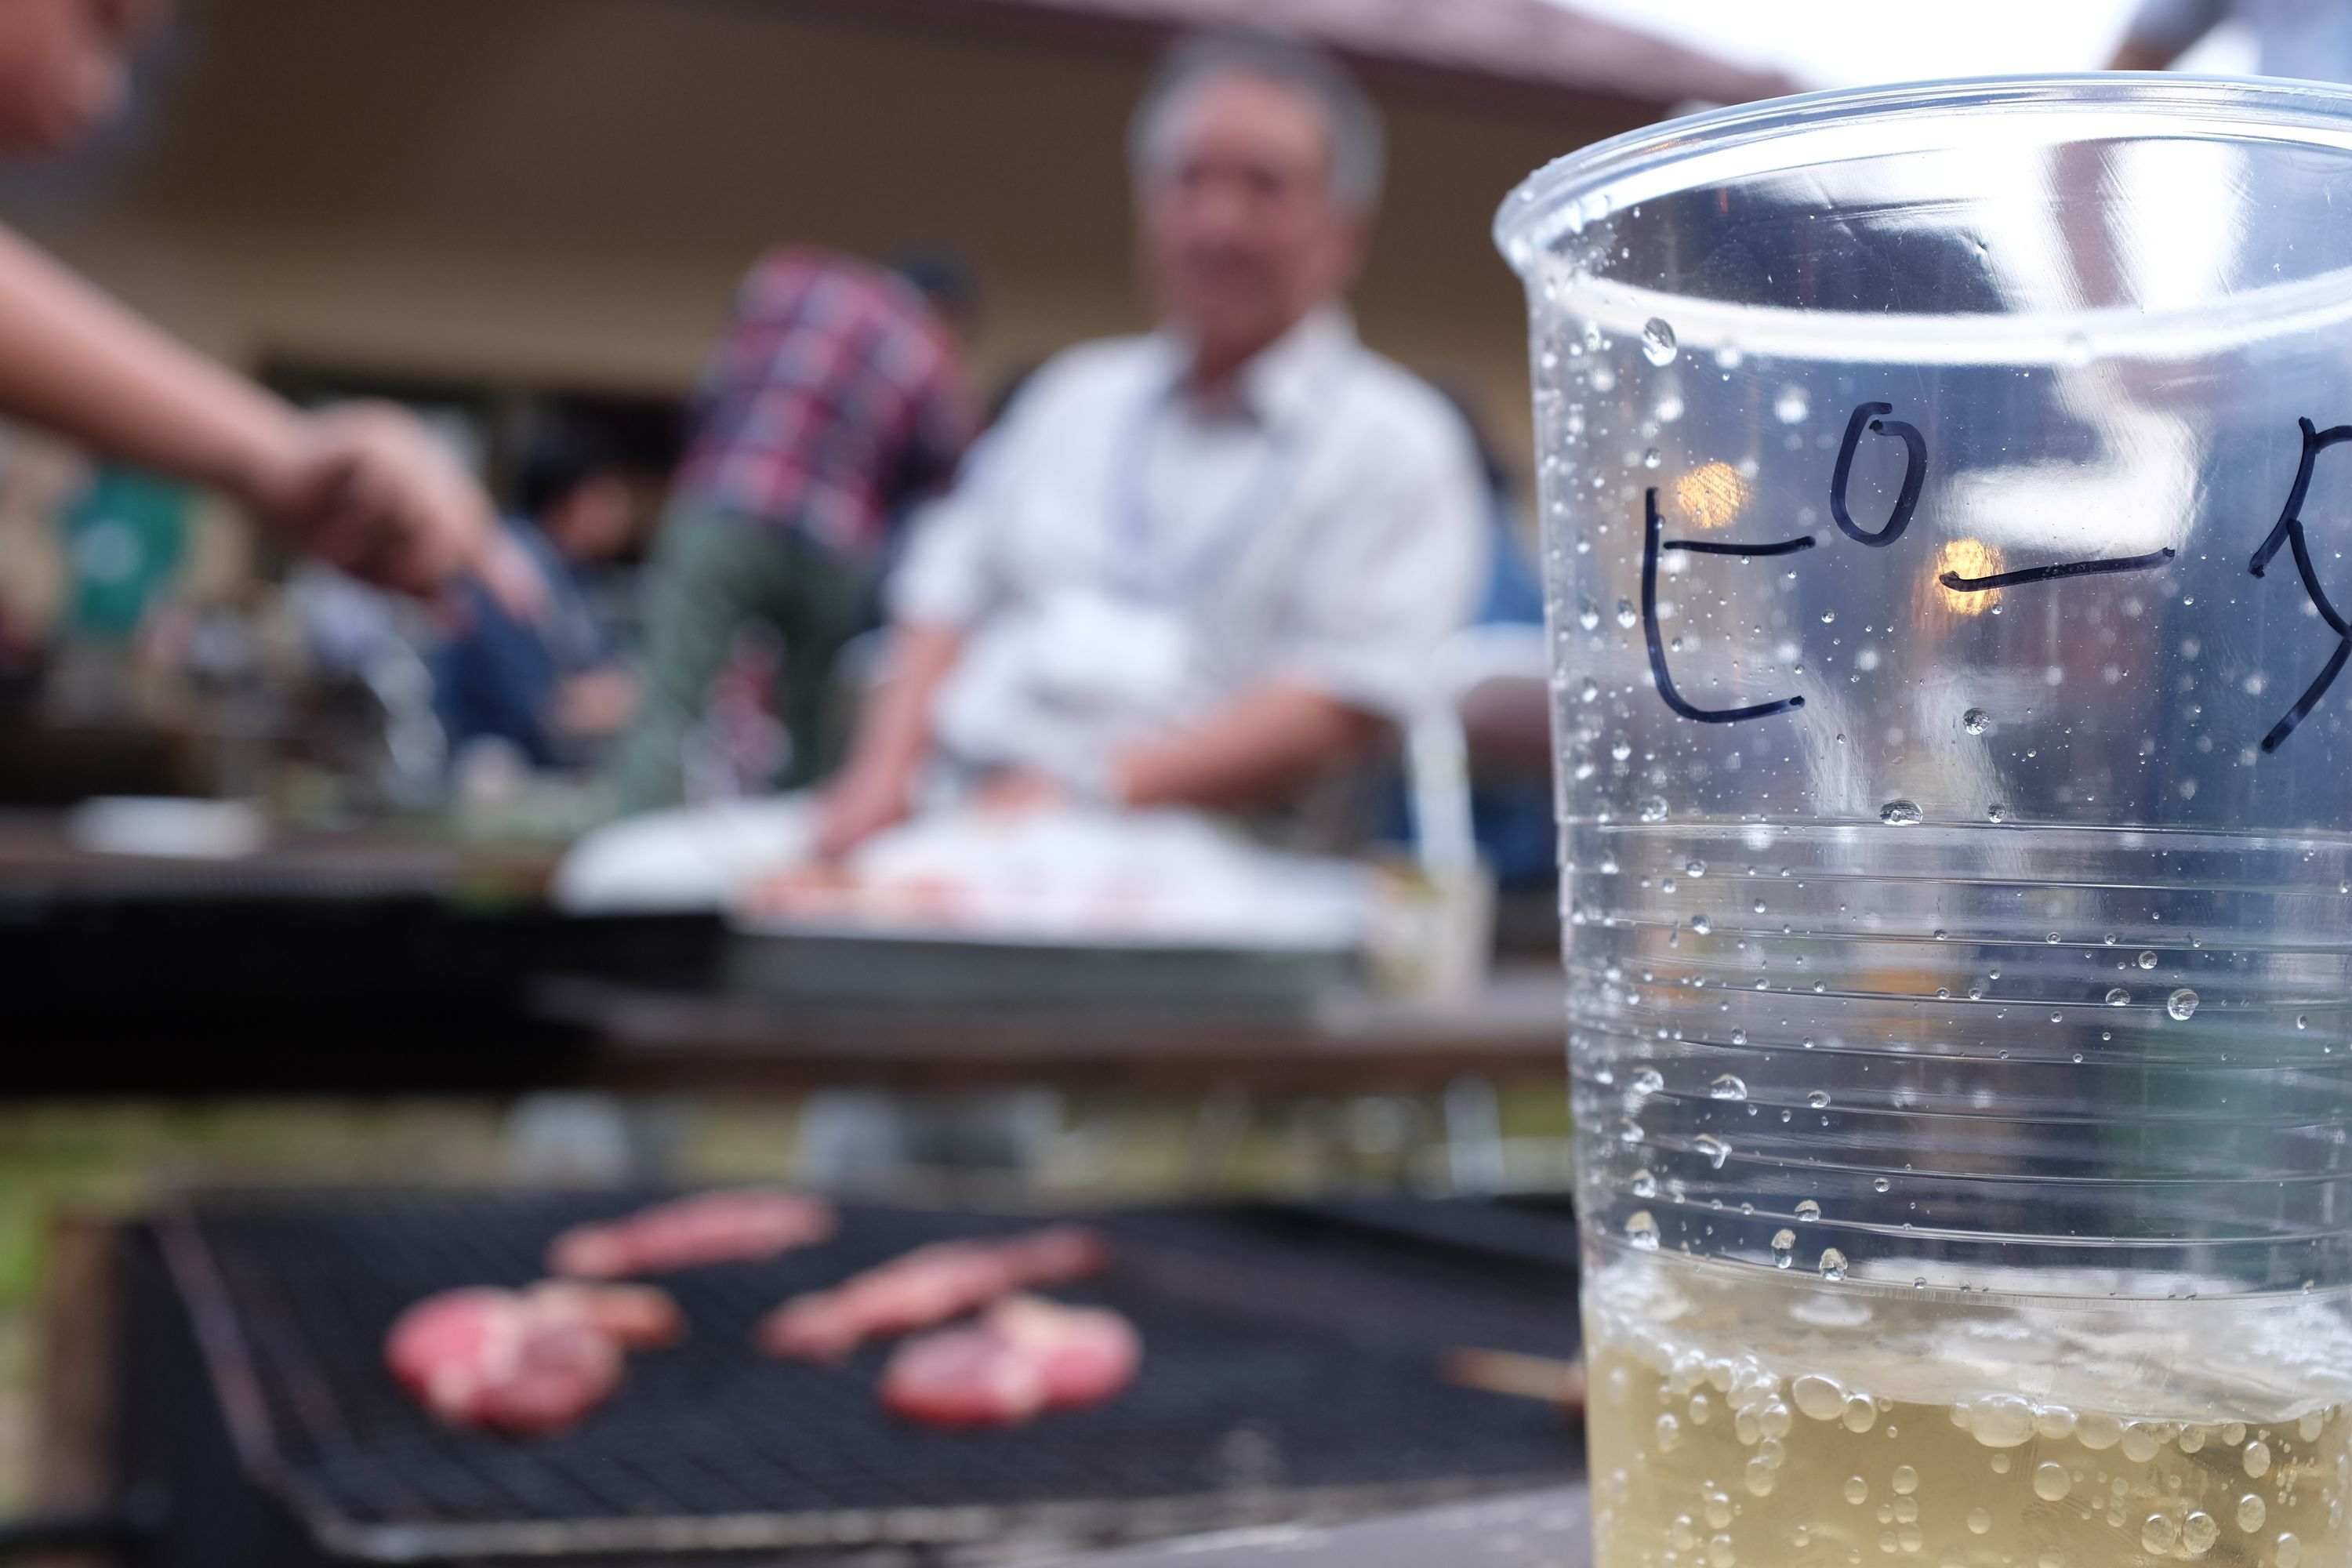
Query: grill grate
[(1289, 1372)]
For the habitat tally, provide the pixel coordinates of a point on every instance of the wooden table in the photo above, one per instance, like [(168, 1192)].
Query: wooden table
[(40, 861), (1351, 1039), (375, 958)]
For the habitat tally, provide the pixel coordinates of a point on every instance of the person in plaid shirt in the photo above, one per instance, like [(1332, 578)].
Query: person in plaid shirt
[(836, 395)]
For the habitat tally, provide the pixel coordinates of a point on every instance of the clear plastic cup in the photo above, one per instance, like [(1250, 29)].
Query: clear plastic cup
[(1945, 548)]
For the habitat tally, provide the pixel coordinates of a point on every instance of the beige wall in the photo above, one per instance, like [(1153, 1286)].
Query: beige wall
[(564, 190)]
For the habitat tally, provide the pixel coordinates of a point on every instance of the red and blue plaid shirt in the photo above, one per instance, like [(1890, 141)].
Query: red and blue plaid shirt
[(833, 398)]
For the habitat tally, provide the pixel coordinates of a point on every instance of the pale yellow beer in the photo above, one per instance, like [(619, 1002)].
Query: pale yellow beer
[(1743, 1418)]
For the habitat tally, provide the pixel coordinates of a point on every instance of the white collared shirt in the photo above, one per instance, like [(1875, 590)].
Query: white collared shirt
[(1125, 561)]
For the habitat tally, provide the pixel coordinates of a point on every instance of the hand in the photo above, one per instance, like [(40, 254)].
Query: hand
[(860, 803), (366, 488), (594, 704), (1014, 792)]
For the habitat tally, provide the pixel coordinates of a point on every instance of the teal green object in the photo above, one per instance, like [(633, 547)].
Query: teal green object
[(124, 538)]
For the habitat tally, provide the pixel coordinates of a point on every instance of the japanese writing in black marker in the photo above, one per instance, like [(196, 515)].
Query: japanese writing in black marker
[(1651, 543), (1874, 418), (2288, 531)]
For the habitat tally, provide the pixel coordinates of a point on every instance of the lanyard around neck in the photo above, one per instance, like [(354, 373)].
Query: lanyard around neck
[(1137, 567)]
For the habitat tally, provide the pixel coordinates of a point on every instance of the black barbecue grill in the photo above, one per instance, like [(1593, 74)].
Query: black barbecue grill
[(1291, 1373)]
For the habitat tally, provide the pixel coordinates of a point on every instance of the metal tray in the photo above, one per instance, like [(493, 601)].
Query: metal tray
[(863, 968)]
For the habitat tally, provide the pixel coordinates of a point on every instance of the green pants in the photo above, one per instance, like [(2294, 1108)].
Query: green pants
[(712, 573)]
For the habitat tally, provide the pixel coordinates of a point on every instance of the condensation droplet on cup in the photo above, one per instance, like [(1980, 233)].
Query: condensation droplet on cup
[(1900, 814), (1695, 868), (1625, 615), (1996, 812), (2288, 1552), (2158, 1533), (1807, 1209), (1641, 1230), (1652, 809), (2182, 1005), (1880, 1184), (1588, 617), (1715, 1150), (1833, 1264), (2147, 961), (1975, 720), (1643, 1185), (1784, 1253), (2257, 1459), (1649, 1081), (2117, 997), (1658, 340), (1818, 1099), (1730, 1086), (2252, 1512), (2051, 1482), (1701, 925), (1793, 406), (1650, 459)]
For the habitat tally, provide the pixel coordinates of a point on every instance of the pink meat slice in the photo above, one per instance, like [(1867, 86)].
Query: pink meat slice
[(503, 1360), (1023, 1357), (708, 1227), (637, 1317), (927, 1287)]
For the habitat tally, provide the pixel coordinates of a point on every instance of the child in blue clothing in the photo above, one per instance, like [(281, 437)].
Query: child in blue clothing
[(550, 684)]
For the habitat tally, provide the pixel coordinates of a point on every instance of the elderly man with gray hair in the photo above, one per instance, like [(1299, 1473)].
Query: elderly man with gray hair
[(1189, 568), (1196, 567)]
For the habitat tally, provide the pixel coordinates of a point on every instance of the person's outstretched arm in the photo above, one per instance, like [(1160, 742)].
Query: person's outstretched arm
[(365, 486), (1266, 743), (874, 788)]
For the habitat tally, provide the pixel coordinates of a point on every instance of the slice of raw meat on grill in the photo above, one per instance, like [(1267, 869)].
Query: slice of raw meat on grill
[(1024, 1356), (927, 1287), (708, 1227), (524, 1362), (638, 1317)]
